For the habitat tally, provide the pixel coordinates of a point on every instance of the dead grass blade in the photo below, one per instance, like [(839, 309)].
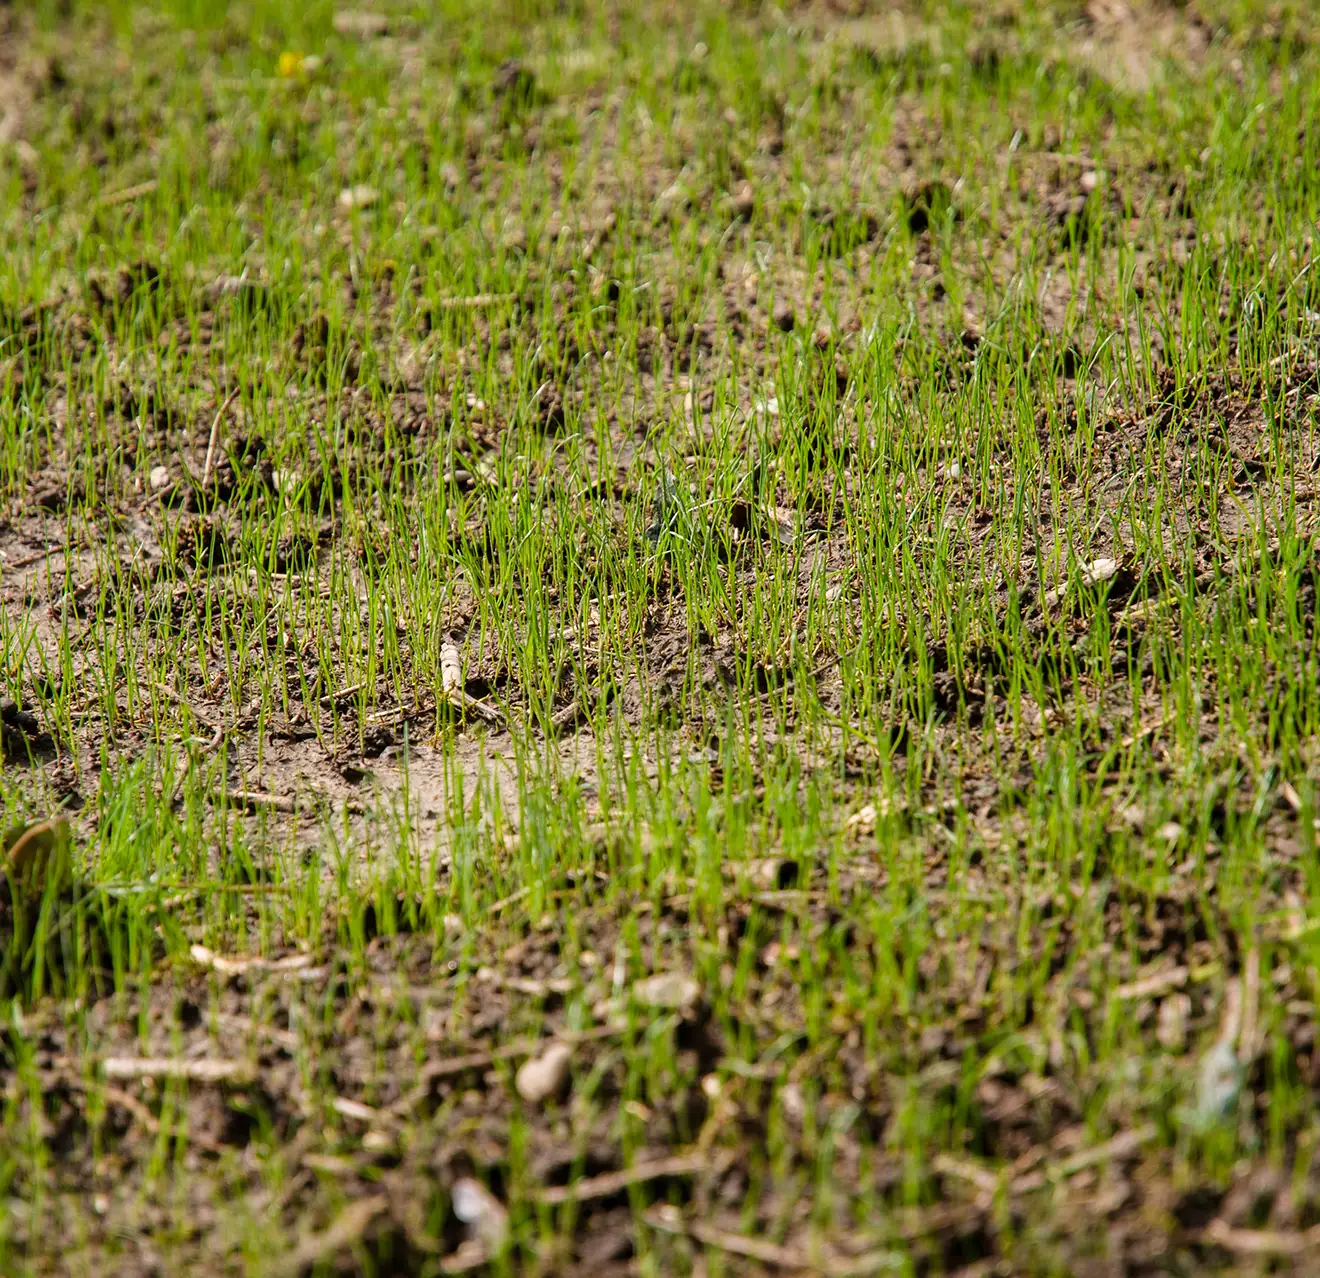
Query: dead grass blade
[(128, 194), (668, 1219), (348, 1229), (476, 302), (1261, 1242), (194, 1071), (215, 436), (610, 1183), (241, 964)]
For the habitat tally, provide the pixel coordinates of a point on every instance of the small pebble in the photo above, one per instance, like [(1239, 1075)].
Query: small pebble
[(545, 1077)]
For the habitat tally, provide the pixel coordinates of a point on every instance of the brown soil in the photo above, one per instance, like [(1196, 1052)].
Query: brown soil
[(379, 1087)]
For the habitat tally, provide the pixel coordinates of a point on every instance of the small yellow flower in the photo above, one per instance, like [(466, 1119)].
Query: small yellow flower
[(290, 64)]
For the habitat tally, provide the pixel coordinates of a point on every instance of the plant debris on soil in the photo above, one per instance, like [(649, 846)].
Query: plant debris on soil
[(659, 639)]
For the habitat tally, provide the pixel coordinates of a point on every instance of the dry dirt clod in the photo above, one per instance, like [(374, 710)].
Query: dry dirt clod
[(545, 1077), (784, 317), (478, 1208), (160, 478), (673, 991)]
